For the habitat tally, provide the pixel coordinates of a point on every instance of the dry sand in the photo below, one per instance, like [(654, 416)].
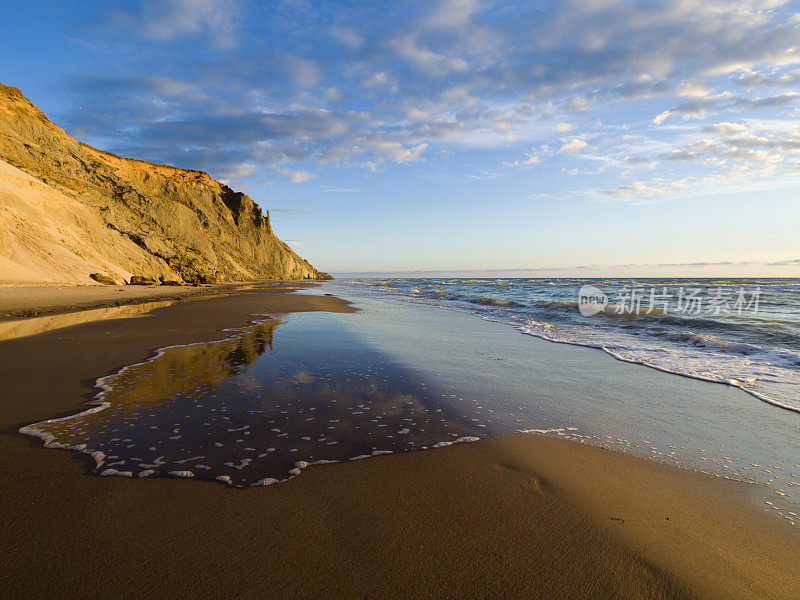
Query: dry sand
[(509, 517), (32, 300)]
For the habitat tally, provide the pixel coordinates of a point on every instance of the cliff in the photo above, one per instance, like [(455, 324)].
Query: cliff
[(68, 210)]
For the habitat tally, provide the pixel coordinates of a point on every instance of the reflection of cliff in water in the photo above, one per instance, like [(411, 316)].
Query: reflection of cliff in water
[(18, 328), (195, 369), (135, 392)]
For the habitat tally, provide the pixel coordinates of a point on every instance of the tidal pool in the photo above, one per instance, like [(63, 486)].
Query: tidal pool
[(259, 406)]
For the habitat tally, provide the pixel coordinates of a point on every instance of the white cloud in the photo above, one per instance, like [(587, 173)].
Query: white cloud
[(386, 149), (450, 14), (295, 176), (700, 107), (378, 79), (347, 36), (426, 60), (415, 114), (530, 159), (563, 127), (169, 20), (726, 156), (682, 155), (237, 172), (636, 190), (749, 142), (753, 79), (576, 105), (573, 146), (693, 89), (697, 107)]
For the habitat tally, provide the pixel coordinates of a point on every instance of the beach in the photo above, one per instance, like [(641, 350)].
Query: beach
[(511, 515), (420, 300)]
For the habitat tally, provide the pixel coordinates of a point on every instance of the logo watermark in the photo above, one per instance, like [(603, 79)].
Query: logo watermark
[(717, 302), (591, 300)]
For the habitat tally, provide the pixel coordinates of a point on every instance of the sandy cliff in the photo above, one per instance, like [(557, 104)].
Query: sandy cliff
[(68, 210)]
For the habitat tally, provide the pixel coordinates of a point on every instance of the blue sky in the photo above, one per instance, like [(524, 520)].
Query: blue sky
[(557, 138)]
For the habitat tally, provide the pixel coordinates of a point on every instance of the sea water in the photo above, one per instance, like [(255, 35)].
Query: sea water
[(742, 332)]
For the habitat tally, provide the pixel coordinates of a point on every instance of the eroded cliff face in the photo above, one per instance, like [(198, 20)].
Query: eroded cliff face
[(68, 210)]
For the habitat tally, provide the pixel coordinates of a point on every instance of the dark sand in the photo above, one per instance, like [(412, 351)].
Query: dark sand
[(509, 517)]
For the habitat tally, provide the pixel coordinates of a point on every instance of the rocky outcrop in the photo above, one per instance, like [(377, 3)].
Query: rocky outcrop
[(141, 280), (68, 210), (103, 278)]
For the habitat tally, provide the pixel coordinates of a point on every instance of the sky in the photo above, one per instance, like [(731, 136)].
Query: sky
[(541, 138)]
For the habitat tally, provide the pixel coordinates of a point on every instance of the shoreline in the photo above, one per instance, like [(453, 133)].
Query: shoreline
[(518, 514), (25, 301), (716, 348)]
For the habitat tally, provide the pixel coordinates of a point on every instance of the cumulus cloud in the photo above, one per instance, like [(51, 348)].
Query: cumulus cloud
[(693, 89), (529, 160), (576, 105), (754, 79), (749, 142), (295, 176), (386, 149), (347, 36), (697, 107), (724, 156), (702, 106), (237, 172), (378, 80), (682, 155), (636, 190), (424, 59), (723, 179), (573, 146)]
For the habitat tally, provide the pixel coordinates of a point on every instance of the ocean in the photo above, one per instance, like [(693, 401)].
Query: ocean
[(739, 332)]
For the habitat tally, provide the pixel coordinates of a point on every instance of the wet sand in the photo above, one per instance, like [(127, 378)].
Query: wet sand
[(514, 516)]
